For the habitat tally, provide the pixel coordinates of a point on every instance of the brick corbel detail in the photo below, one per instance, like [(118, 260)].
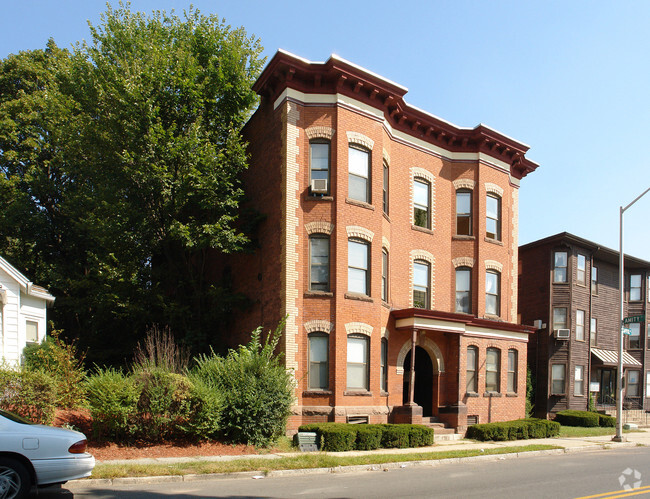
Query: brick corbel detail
[(361, 140), (493, 265), (386, 157), (464, 183), (319, 228), (319, 132), (360, 233), (463, 261), (494, 189), (319, 326), (385, 243), (358, 328)]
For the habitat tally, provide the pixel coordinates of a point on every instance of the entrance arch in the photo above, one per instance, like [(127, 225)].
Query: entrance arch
[(423, 392)]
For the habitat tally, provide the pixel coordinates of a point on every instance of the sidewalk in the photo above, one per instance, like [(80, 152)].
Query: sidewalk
[(576, 444)]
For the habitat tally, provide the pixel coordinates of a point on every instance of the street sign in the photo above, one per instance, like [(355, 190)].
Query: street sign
[(634, 318), (626, 330)]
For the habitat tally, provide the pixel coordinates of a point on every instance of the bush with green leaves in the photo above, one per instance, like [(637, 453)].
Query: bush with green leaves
[(577, 418), (256, 389), (62, 362), (514, 430), (30, 394), (368, 437), (606, 421), (395, 436), (113, 399), (420, 436)]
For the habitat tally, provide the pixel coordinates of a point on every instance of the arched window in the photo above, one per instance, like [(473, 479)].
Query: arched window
[(472, 369), (421, 203), (319, 166), (493, 217), (319, 262), (464, 290), (318, 361), (357, 362), (385, 190), (359, 174), (464, 212), (421, 280), (492, 369), (384, 275), (492, 292)]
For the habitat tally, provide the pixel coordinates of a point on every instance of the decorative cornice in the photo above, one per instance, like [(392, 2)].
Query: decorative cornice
[(338, 76), (319, 227), (319, 132), (358, 328), (360, 139), (464, 183), (360, 232), (319, 326), (463, 261)]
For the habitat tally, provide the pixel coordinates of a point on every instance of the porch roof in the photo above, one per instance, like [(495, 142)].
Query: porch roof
[(610, 358), (462, 324)]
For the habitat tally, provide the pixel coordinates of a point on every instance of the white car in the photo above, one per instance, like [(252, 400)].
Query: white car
[(32, 454)]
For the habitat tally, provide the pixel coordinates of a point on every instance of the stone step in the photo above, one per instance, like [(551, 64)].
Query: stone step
[(446, 437)]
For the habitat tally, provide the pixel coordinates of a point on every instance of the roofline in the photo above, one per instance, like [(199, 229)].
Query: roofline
[(26, 285), (338, 75), (595, 247)]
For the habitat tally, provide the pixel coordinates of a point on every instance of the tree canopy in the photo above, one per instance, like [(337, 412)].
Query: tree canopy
[(119, 167)]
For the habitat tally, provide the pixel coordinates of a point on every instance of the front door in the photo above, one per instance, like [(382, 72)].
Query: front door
[(607, 387), (423, 380)]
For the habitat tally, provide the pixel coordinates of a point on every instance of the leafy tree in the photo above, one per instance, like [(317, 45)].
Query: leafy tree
[(121, 162)]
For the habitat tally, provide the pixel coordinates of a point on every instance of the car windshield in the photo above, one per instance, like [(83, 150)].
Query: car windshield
[(13, 417)]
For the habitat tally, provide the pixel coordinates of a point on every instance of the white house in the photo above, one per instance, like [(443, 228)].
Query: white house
[(23, 313)]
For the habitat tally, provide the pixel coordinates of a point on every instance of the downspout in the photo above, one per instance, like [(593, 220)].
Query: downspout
[(591, 300)]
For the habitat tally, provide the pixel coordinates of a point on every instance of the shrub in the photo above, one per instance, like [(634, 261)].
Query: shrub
[(338, 437), (606, 421), (159, 350), (257, 390), (30, 394), (204, 411), (113, 398), (514, 430), (62, 363), (368, 437), (420, 436), (577, 418), (395, 436)]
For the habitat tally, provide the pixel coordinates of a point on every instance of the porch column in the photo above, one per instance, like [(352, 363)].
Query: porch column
[(412, 374)]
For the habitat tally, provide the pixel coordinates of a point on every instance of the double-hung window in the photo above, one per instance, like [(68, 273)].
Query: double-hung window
[(594, 280), (464, 213), (463, 290), (318, 361), (512, 371), (492, 369), (472, 363), (358, 260), (384, 275), (560, 266), (580, 325), (492, 292), (635, 335), (635, 287), (357, 362), (383, 375), (559, 318), (385, 189), (632, 388), (31, 331), (579, 380), (493, 217), (359, 174), (319, 271), (421, 280), (558, 379), (593, 336), (421, 204), (319, 161), (581, 270)]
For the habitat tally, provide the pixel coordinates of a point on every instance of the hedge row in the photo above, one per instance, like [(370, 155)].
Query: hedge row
[(519, 429), (584, 418), (338, 437)]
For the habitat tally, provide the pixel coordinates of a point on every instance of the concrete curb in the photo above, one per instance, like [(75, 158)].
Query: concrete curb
[(107, 482)]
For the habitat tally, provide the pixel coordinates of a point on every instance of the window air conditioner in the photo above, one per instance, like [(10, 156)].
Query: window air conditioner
[(319, 186), (562, 334)]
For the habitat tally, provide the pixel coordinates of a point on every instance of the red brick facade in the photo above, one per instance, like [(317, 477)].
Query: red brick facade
[(339, 104)]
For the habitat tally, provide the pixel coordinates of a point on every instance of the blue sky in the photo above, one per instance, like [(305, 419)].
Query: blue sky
[(569, 78)]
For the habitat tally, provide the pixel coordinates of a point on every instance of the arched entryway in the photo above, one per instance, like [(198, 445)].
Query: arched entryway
[(423, 393)]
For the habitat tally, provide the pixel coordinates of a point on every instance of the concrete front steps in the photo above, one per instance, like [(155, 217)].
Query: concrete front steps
[(441, 431)]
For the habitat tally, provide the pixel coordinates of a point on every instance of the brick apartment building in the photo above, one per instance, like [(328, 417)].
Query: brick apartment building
[(571, 286), (388, 231)]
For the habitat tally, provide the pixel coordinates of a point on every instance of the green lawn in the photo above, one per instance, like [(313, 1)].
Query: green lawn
[(303, 461), (581, 431)]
